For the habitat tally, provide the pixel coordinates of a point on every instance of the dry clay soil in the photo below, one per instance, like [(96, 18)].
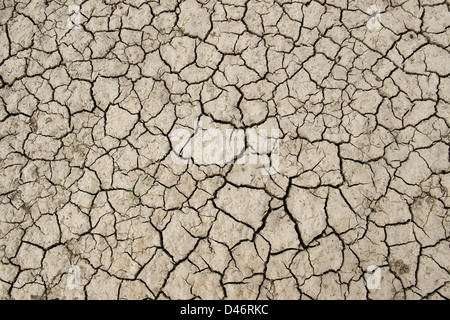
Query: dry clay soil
[(348, 201)]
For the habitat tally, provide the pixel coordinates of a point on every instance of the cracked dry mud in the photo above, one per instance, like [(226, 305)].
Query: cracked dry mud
[(93, 204)]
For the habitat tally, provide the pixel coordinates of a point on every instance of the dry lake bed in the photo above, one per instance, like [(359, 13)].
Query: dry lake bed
[(233, 149)]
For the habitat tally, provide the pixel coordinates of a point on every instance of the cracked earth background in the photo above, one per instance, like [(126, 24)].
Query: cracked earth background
[(87, 178)]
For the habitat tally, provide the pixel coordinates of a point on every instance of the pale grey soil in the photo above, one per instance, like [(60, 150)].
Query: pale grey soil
[(347, 198)]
